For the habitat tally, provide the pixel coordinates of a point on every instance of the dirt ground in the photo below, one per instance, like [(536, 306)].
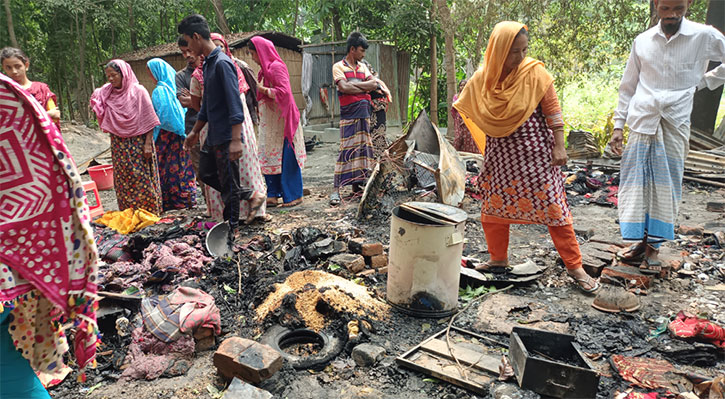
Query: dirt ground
[(597, 332)]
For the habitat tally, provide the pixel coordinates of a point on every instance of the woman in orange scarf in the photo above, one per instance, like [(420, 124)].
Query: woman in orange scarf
[(511, 108)]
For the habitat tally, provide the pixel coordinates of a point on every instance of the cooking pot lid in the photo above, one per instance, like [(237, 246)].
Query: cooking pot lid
[(440, 211)]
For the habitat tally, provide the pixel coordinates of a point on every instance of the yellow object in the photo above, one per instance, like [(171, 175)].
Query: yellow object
[(498, 109), (50, 105), (353, 329), (129, 220)]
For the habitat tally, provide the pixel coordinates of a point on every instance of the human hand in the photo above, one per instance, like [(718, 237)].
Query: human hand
[(235, 150), (615, 143), (191, 140), (148, 150), (558, 156)]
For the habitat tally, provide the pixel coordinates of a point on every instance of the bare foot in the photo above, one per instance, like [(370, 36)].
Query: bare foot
[(254, 204), (291, 203)]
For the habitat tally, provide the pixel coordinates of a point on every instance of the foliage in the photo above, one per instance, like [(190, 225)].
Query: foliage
[(584, 43), (468, 294)]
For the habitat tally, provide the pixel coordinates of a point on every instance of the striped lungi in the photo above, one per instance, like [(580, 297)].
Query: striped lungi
[(650, 188), (356, 152)]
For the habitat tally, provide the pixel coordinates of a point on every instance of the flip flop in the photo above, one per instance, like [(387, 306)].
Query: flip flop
[(588, 281), (272, 204), (487, 267), (335, 199)]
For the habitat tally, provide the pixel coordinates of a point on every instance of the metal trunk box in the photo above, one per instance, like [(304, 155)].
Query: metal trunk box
[(551, 364)]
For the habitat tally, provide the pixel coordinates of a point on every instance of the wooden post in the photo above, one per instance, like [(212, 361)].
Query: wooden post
[(706, 102)]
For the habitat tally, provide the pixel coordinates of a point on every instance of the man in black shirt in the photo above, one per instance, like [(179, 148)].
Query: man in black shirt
[(221, 107)]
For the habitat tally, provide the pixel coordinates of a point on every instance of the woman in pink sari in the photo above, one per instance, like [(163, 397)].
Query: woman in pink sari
[(281, 139), (124, 109)]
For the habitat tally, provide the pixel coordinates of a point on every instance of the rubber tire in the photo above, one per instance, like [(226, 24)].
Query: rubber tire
[(331, 347)]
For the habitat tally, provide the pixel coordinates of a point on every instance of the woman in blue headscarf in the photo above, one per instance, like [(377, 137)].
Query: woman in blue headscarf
[(178, 187)]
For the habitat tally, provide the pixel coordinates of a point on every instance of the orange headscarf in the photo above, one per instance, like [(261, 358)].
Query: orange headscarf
[(497, 110)]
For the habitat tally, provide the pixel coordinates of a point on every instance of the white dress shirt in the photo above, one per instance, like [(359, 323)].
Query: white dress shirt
[(662, 75)]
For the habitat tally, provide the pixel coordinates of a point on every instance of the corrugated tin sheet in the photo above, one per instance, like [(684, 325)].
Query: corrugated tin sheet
[(235, 40), (393, 68)]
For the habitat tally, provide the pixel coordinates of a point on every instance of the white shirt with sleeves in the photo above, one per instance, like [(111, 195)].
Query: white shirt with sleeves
[(662, 75)]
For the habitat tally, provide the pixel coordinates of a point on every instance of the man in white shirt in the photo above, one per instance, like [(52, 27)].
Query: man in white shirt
[(666, 66)]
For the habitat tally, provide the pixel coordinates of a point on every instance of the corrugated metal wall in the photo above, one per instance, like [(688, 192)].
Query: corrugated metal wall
[(393, 68)]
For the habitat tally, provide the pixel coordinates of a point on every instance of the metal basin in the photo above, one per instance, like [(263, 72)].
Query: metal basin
[(216, 241)]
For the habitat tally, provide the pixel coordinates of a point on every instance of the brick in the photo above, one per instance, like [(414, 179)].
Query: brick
[(204, 339), (378, 261), (351, 262), (628, 273), (382, 270), (246, 359), (690, 230), (365, 248), (372, 249)]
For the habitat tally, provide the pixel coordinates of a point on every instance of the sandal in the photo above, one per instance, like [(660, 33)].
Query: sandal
[(633, 254), (262, 219), (291, 203), (491, 268), (335, 199), (272, 202), (590, 281)]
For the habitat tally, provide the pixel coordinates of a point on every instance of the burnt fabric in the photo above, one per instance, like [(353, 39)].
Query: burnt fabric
[(149, 357), (181, 312), (644, 372), (687, 325)]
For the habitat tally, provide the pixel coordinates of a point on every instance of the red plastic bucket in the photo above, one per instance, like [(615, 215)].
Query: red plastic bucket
[(102, 175)]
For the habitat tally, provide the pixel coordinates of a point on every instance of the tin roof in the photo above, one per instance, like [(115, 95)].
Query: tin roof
[(235, 40)]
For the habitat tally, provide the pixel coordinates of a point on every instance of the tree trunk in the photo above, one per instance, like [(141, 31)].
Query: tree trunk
[(113, 42), (433, 79), (337, 25), (132, 27), (653, 17), (294, 22), (11, 27), (81, 96), (444, 17), (220, 18)]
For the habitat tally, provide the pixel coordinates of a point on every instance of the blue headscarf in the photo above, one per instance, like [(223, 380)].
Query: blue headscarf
[(167, 106)]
